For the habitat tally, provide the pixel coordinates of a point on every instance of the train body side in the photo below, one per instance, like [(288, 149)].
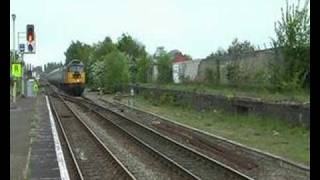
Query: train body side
[(56, 77)]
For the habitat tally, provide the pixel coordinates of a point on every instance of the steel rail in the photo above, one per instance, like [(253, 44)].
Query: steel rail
[(118, 163), (200, 155)]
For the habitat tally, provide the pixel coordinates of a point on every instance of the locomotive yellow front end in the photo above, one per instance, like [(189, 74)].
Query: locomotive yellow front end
[(75, 77)]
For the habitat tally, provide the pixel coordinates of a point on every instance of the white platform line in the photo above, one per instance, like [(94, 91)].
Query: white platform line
[(60, 158)]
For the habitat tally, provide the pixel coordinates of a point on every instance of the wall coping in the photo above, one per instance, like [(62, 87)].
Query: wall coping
[(236, 98)]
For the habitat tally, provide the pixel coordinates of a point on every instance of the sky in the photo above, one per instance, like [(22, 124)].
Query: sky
[(195, 27)]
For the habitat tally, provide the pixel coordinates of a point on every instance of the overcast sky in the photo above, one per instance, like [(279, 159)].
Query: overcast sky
[(195, 27)]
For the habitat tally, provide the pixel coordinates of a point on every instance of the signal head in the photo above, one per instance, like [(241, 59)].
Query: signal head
[(30, 33)]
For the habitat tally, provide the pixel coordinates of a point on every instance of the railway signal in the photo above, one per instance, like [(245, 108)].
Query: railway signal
[(31, 38)]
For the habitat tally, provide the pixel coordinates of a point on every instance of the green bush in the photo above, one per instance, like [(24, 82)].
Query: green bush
[(293, 42), (167, 99), (185, 80), (233, 73), (209, 77), (116, 72), (143, 68), (261, 78), (97, 71), (164, 69)]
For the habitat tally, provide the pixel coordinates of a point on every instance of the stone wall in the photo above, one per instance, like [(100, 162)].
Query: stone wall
[(251, 63), (293, 113)]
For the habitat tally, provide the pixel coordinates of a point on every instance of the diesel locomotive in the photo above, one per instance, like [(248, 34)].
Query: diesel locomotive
[(70, 78)]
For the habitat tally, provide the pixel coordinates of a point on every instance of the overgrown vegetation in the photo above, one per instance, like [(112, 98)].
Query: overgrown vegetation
[(237, 75), (237, 48), (254, 91), (293, 42), (290, 69)]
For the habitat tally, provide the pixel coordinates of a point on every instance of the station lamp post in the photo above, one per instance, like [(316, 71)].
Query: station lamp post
[(14, 55), (13, 36)]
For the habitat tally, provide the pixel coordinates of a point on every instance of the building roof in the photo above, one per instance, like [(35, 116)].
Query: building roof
[(179, 58)]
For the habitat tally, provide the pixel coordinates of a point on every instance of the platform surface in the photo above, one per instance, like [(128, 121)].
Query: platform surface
[(32, 149)]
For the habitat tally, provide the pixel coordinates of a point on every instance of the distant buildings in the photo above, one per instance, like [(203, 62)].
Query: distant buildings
[(177, 56), (178, 66)]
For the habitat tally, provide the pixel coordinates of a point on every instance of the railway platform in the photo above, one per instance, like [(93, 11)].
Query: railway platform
[(32, 146)]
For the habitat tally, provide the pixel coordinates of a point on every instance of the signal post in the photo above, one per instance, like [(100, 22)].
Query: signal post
[(17, 68)]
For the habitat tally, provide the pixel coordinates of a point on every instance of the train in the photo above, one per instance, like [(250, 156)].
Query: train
[(70, 78)]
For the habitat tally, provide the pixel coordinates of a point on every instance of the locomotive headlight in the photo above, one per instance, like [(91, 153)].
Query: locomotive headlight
[(78, 80)]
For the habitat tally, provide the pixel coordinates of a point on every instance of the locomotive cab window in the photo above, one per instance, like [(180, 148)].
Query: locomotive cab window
[(76, 69)]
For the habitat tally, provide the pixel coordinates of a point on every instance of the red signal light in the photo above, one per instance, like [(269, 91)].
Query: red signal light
[(30, 33), (30, 38)]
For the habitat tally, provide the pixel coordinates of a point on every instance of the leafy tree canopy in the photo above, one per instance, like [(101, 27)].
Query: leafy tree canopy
[(131, 47), (237, 47), (78, 50), (116, 71)]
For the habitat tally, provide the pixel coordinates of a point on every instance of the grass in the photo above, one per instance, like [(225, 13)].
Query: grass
[(270, 135), (265, 94)]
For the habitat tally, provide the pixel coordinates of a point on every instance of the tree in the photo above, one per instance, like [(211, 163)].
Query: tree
[(78, 50), (219, 52), (131, 47), (134, 51), (116, 71), (159, 51), (103, 48), (97, 71), (143, 67), (293, 41), (164, 68), (237, 48), (99, 50)]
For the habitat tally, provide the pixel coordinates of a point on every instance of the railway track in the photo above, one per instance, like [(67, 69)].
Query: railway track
[(93, 160), (187, 161), (252, 162), (237, 159), (168, 170), (142, 160)]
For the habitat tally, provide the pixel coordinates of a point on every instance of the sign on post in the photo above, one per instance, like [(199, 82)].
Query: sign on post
[(16, 70), (21, 47)]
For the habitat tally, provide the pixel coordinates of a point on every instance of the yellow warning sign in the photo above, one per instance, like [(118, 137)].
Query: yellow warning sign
[(16, 70)]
